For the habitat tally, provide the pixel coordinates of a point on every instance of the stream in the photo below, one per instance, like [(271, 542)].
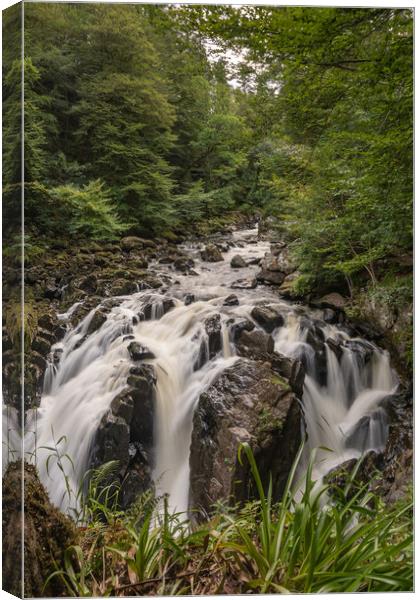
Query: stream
[(343, 409)]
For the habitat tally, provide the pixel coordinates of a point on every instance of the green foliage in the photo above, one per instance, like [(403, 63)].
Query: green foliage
[(87, 211), (325, 538)]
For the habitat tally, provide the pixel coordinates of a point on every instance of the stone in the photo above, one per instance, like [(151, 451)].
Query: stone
[(133, 243), (244, 284), (267, 317), (238, 326), (211, 253), (256, 340), (237, 262), (270, 277), (213, 329), (183, 263), (139, 352), (330, 316), (189, 299), (249, 403), (333, 300), (123, 287), (231, 300)]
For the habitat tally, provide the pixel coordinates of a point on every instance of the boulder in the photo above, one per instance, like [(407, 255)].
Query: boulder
[(256, 340), (139, 352), (268, 317), (249, 403), (211, 253), (244, 284), (189, 299), (213, 329), (236, 327), (47, 534), (270, 277), (231, 300), (237, 262), (287, 288), (333, 300)]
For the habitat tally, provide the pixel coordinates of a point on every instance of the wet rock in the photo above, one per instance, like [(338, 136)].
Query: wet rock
[(143, 393), (270, 277), (287, 288), (189, 299), (211, 253), (123, 287), (335, 347), (231, 300), (111, 442), (246, 403), (237, 262), (156, 309), (244, 284), (98, 319), (213, 329), (362, 348), (268, 317), (256, 340), (330, 316), (122, 405), (184, 263), (139, 352), (138, 478)]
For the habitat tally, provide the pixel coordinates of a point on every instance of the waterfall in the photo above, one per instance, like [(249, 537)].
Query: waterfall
[(344, 416), (346, 384)]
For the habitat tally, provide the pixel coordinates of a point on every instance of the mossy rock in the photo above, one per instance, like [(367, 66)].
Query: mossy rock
[(48, 533)]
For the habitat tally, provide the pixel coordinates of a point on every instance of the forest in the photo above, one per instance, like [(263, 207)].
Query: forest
[(168, 150)]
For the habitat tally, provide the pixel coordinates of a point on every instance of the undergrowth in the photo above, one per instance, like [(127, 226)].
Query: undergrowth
[(329, 539)]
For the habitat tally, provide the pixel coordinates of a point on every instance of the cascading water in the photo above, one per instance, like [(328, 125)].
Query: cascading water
[(342, 400)]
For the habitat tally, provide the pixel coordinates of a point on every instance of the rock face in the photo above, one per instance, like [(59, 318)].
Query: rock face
[(237, 262), (250, 403), (211, 253), (48, 533), (125, 433)]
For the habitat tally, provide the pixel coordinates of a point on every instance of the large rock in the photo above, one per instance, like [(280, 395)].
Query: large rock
[(247, 403), (334, 301), (211, 253), (126, 434), (213, 329), (237, 262), (244, 284), (256, 340), (268, 317), (139, 352), (47, 534), (271, 277)]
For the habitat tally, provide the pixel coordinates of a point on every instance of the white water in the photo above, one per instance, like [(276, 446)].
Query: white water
[(80, 389)]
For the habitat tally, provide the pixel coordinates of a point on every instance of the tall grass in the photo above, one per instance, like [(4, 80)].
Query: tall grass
[(328, 539)]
